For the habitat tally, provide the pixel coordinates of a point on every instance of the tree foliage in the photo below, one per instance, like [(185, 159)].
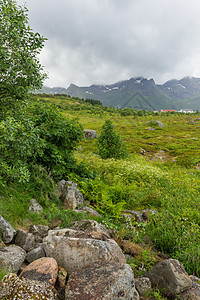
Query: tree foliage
[(20, 69), (110, 144)]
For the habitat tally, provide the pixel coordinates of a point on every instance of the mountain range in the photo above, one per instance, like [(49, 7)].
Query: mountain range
[(139, 93)]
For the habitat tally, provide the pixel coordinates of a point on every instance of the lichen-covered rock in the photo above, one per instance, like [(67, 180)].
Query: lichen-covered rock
[(7, 232), (194, 292), (142, 285), (170, 277), (90, 134), (92, 212), (13, 287), (35, 207), (101, 281), (35, 254), (39, 232), (137, 215), (68, 232), (76, 253), (25, 240), (11, 258), (68, 192), (91, 225), (44, 269)]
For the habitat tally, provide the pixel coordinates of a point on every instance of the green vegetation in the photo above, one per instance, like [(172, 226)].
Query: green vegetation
[(20, 69), (165, 179), (110, 144)]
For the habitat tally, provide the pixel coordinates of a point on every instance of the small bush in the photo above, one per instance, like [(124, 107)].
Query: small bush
[(110, 144)]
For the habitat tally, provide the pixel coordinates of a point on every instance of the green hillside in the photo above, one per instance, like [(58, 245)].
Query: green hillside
[(161, 173)]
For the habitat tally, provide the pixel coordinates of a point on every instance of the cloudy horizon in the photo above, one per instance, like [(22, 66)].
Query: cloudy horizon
[(103, 42)]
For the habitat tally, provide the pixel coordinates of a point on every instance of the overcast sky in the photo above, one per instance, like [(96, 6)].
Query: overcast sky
[(105, 41)]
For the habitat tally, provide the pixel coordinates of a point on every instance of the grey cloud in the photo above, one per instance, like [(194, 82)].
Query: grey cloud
[(92, 41)]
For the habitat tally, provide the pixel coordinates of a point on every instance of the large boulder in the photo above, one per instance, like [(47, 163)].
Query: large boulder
[(44, 269), (13, 287), (170, 277), (11, 258), (90, 134), (101, 281), (68, 192), (25, 240), (7, 232), (76, 253)]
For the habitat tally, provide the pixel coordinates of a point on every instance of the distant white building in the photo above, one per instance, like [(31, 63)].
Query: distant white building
[(187, 111)]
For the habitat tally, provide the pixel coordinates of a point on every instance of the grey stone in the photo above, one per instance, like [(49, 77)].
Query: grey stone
[(76, 253), (194, 292), (136, 214), (35, 207), (70, 194), (25, 240), (101, 281), (92, 212), (6, 230), (150, 128), (13, 287), (160, 124), (170, 277), (146, 213), (39, 232), (90, 134), (11, 258), (90, 225), (143, 285), (35, 254)]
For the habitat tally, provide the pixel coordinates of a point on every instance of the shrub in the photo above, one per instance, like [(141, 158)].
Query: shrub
[(60, 136), (110, 144)]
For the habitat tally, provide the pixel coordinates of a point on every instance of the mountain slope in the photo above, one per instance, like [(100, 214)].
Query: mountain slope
[(140, 93)]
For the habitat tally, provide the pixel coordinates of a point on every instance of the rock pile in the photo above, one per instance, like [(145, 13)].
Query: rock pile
[(82, 262)]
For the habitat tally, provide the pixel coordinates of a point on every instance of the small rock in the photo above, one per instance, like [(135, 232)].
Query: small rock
[(39, 232), (170, 277), (143, 285), (11, 258), (90, 225), (43, 269), (194, 292), (69, 194), (13, 287), (136, 214), (35, 207), (90, 134), (35, 254), (6, 231), (150, 128), (92, 212), (25, 240)]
